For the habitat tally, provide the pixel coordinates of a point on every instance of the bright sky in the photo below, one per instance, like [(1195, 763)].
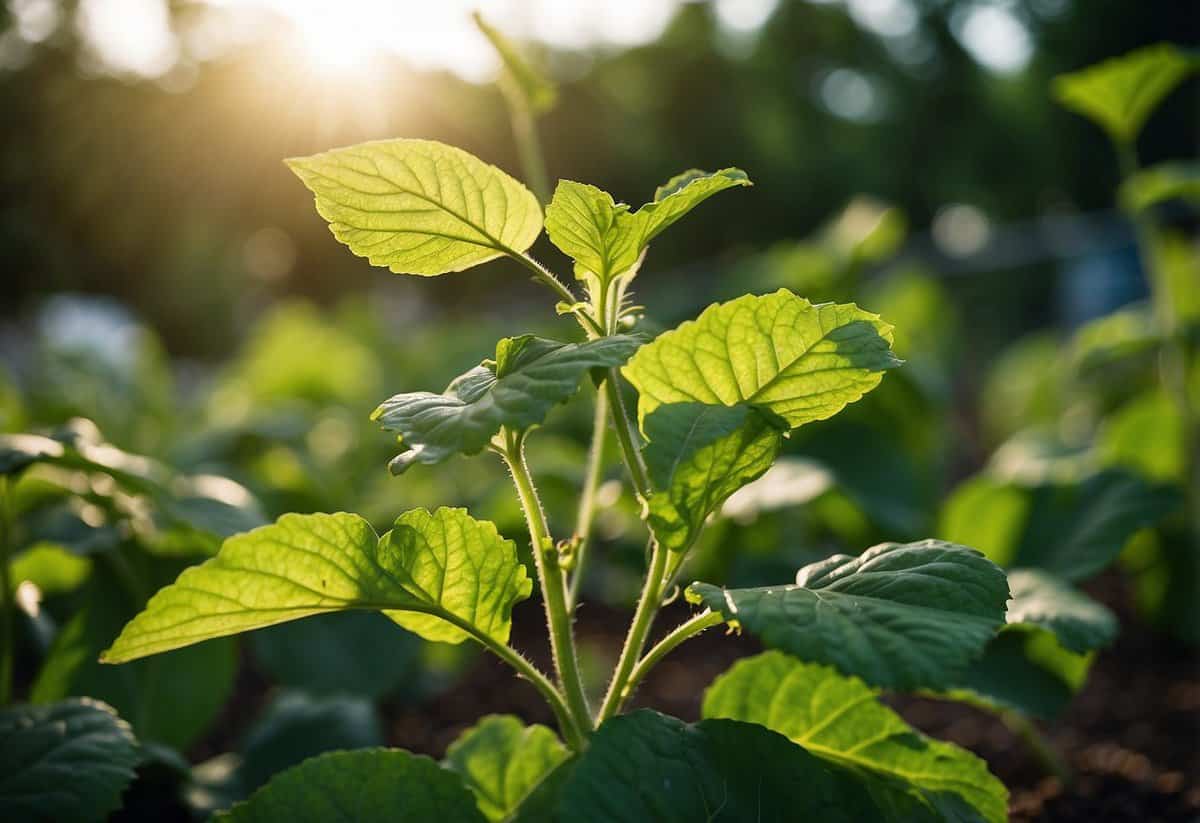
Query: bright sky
[(134, 36)]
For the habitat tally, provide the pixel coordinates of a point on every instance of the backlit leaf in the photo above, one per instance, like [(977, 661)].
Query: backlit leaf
[(367, 786), (1158, 184), (1119, 94), (778, 351), (529, 376), (418, 206), (910, 776), (898, 616), (67, 762), (502, 761), (698, 455), (439, 575)]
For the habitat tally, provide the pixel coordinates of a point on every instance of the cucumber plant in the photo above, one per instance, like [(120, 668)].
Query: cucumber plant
[(793, 732)]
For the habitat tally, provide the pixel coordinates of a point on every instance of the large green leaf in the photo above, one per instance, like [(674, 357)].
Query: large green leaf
[(1072, 530), (418, 206), (1119, 94), (652, 768), (368, 786), (898, 615), (778, 351), (64, 763), (698, 455), (839, 719), (517, 389), (606, 238), (439, 575), (170, 698), (1079, 623), (502, 761)]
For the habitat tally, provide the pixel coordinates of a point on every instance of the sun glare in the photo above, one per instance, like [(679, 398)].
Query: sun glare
[(332, 39)]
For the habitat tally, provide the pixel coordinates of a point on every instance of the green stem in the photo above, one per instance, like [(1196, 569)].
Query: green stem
[(550, 578), (626, 434), (685, 631), (635, 641), (529, 146), (1047, 757), (6, 592), (587, 498), (546, 277)]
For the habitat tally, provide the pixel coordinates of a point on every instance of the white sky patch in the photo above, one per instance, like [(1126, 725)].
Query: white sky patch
[(744, 15), (887, 18), (994, 36), (128, 36)]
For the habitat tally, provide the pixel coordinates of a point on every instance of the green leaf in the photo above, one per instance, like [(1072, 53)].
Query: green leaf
[(698, 456), (532, 88), (368, 786), (1072, 530), (649, 767), (1119, 94), (50, 567), (502, 761), (529, 376), (440, 575), (169, 699), (418, 206), (606, 238), (63, 763), (1078, 622), (1023, 669), (840, 719), (898, 616), (1168, 181), (778, 351)]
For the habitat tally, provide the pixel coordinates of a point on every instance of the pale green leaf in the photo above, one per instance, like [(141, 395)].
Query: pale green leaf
[(502, 761), (698, 455), (606, 238), (64, 763), (1119, 94), (1168, 181), (529, 376), (778, 351), (649, 767), (50, 567), (898, 615), (367, 786), (839, 719), (532, 87), (1078, 622), (440, 575), (418, 206)]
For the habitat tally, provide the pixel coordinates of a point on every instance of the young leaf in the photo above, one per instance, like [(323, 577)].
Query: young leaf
[(533, 89), (840, 719), (502, 761), (1119, 94), (1079, 623), (647, 766), (418, 206), (366, 786), (68, 761), (699, 455), (440, 575), (606, 238), (528, 377), (898, 616), (1167, 181), (778, 351)]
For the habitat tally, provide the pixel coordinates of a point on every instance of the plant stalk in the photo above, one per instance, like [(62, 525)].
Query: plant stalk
[(1047, 757), (635, 640), (626, 436), (550, 578), (562, 714), (684, 631), (529, 146), (7, 605), (587, 498)]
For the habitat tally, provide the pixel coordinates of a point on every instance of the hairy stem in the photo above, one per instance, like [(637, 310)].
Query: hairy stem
[(570, 729), (550, 578), (587, 496), (547, 278), (684, 631), (627, 435), (635, 641), (6, 592)]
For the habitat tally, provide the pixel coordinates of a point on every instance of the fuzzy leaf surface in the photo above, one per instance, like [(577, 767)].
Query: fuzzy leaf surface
[(366, 786), (803, 362), (910, 776), (67, 762), (529, 376), (439, 575), (419, 206), (898, 615), (502, 761)]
